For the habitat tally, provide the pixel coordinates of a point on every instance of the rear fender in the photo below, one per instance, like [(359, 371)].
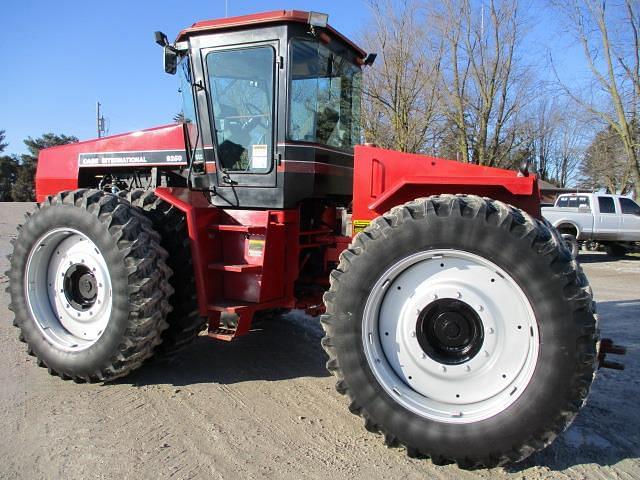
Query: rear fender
[(385, 178)]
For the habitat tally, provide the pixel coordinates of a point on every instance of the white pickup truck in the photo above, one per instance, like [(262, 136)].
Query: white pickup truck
[(613, 221)]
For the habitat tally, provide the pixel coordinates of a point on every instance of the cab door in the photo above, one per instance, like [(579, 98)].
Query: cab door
[(608, 219), (242, 88), (630, 223)]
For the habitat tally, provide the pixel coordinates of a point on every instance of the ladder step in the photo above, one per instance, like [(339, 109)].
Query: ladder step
[(241, 268), (256, 229), (229, 307), (222, 334)]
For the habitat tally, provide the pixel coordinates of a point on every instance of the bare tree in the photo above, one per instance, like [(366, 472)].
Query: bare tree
[(569, 151), (485, 82), (606, 164), (556, 139), (401, 98), (609, 35)]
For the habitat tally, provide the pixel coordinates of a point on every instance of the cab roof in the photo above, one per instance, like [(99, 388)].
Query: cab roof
[(258, 19)]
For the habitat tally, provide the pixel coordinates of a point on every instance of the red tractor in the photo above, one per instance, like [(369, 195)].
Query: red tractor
[(457, 323)]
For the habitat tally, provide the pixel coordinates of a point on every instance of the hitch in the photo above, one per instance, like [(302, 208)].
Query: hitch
[(607, 346)]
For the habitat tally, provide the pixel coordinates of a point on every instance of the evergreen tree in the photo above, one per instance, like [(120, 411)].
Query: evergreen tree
[(8, 176), (3, 145)]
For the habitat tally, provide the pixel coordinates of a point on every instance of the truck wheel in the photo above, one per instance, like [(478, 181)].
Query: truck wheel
[(461, 328), (88, 286), (572, 244), (185, 321), (615, 250)]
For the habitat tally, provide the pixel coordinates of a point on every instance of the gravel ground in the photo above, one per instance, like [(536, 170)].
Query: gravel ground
[(264, 407)]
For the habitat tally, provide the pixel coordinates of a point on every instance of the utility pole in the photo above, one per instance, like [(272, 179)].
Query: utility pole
[(99, 121)]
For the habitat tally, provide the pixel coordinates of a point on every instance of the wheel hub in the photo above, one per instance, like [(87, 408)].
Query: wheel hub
[(80, 287), (449, 331)]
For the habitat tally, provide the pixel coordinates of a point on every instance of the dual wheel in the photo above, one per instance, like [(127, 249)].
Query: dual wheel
[(462, 329), (94, 289)]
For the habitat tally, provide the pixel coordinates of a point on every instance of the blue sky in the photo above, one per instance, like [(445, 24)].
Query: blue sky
[(61, 57)]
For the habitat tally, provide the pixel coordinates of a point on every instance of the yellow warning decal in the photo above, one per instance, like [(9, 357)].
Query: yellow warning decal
[(255, 248), (360, 225)]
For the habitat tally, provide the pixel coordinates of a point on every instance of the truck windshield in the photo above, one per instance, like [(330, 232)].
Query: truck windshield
[(325, 96)]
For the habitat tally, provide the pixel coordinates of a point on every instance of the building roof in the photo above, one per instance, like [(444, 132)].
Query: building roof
[(551, 188)]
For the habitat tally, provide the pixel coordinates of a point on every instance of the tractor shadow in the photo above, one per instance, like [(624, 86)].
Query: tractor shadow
[(284, 347), (607, 430)]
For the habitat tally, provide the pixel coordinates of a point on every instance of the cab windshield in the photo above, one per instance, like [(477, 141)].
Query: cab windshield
[(324, 106)]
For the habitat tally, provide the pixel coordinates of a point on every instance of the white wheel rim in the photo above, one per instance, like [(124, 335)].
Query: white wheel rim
[(476, 388), (59, 261)]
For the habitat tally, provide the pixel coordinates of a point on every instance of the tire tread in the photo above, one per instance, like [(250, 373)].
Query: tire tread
[(545, 241)]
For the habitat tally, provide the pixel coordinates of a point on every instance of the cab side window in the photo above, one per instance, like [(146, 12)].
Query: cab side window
[(629, 207), (242, 100), (606, 205), (583, 202)]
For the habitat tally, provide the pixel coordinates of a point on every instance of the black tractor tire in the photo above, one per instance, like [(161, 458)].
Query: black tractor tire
[(137, 271), (616, 251), (571, 243), (185, 321), (532, 253)]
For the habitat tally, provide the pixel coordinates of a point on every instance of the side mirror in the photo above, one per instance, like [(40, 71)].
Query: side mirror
[(170, 60), (170, 53)]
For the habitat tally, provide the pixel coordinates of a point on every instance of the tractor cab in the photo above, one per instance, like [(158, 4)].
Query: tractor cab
[(271, 107)]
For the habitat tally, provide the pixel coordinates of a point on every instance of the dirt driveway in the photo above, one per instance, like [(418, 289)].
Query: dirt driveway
[(264, 406)]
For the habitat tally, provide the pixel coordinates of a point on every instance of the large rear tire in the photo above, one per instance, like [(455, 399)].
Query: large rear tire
[(461, 328), (185, 321), (89, 286)]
